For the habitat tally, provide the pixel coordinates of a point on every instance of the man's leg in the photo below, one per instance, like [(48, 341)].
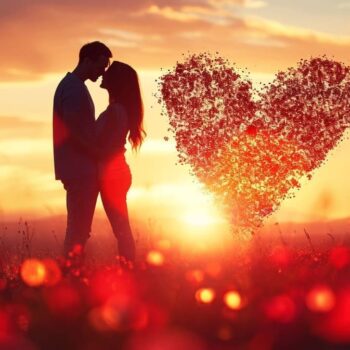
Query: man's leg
[(81, 197)]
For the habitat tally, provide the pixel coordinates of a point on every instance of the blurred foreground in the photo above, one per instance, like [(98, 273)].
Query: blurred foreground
[(275, 291)]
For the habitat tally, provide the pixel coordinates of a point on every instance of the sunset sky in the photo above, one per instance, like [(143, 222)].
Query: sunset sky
[(40, 41)]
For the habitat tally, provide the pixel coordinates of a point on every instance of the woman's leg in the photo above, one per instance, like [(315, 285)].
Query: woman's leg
[(114, 189)]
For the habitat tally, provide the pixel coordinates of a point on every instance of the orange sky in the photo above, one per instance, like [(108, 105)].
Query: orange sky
[(40, 41)]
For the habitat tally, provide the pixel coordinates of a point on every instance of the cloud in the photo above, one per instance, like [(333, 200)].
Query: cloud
[(344, 5), (190, 13), (276, 29), (20, 127), (255, 4), (44, 37), (251, 4)]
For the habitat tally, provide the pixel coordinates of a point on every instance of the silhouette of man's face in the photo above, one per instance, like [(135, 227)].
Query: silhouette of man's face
[(98, 67)]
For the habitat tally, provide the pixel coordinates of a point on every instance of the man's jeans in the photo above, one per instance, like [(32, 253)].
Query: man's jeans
[(81, 197)]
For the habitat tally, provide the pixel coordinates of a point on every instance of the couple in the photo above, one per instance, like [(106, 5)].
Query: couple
[(88, 154)]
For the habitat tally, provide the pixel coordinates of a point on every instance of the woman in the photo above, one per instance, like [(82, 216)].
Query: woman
[(121, 120)]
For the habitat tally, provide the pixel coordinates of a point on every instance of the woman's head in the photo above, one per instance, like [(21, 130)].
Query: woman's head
[(121, 82)]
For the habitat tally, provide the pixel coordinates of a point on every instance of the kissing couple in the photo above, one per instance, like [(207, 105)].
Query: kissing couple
[(89, 154)]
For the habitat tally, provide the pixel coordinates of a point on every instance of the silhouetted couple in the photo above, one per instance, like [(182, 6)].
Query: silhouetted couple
[(88, 154)]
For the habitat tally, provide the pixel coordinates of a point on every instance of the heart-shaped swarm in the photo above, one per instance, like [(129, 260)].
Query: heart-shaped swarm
[(251, 148)]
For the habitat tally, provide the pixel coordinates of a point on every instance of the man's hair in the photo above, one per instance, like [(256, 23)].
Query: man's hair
[(93, 51)]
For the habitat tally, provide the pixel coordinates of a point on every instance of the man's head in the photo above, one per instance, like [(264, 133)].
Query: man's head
[(94, 59)]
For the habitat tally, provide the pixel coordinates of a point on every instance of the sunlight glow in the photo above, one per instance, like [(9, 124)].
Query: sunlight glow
[(200, 218)]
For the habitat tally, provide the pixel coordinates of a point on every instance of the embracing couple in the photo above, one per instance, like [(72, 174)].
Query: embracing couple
[(88, 154)]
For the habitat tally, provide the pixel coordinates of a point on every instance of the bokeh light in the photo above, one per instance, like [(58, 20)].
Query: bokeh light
[(233, 300), (205, 295), (33, 272), (335, 326), (155, 258), (320, 299)]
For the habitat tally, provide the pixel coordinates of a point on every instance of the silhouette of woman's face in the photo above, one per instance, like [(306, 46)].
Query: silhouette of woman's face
[(107, 80), (104, 82)]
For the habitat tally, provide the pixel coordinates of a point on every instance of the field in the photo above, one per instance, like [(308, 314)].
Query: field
[(271, 292)]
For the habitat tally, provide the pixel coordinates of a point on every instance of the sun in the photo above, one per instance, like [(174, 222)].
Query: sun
[(201, 218)]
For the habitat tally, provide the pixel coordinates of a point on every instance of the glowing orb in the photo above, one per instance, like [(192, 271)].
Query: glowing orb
[(33, 272), (233, 300), (320, 299), (155, 258), (205, 295)]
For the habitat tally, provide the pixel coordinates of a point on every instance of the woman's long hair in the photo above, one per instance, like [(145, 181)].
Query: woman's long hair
[(123, 87)]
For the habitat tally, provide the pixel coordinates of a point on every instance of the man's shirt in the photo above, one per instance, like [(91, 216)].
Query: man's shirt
[(73, 119)]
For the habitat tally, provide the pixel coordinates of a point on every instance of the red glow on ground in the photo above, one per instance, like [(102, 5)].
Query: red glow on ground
[(339, 257), (112, 283), (118, 315), (225, 333), (195, 276), (213, 269), (63, 300), (281, 309), (169, 339), (5, 325), (280, 256)]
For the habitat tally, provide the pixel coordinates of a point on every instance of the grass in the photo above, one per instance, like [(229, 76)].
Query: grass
[(264, 295)]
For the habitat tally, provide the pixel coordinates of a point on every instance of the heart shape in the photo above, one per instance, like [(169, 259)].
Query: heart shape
[(252, 147)]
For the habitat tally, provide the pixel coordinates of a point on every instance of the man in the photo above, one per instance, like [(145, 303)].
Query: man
[(75, 155)]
